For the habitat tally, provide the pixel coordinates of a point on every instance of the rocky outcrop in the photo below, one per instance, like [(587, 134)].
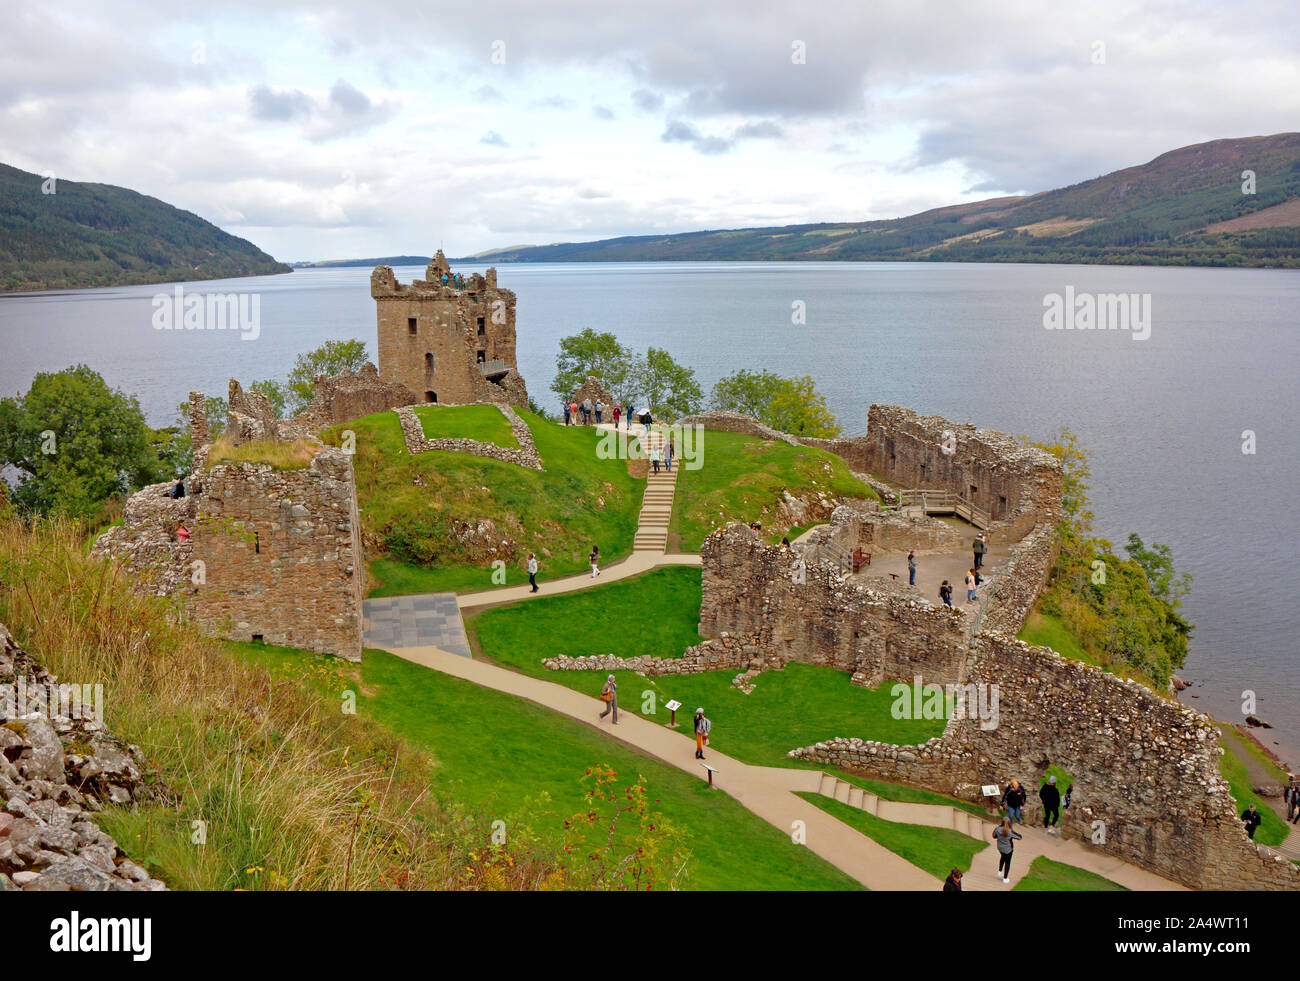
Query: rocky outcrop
[(56, 771)]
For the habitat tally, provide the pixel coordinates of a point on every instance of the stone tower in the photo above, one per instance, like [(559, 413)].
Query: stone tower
[(448, 338)]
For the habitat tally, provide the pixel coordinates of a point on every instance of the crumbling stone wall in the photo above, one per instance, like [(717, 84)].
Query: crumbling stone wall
[(350, 395), (877, 633), (447, 343), (1010, 596), (593, 388), (525, 456), (249, 417), (274, 554)]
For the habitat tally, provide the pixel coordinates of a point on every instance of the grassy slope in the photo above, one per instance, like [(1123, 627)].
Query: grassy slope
[(495, 752), (657, 614), (1045, 630), (484, 423), (1233, 768), (936, 850), (742, 478), (579, 500), (1045, 875)]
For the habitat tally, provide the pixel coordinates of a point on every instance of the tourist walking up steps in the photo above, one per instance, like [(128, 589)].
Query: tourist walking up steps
[(945, 593), (1006, 840), (978, 548), (1014, 798), (953, 882), (669, 453), (532, 571), (594, 559), (1251, 818), (1051, 798), (911, 568), (971, 585), (702, 727), (609, 695)]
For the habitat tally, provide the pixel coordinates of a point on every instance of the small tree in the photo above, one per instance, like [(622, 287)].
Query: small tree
[(792, 405), (330, 358), (668, 388), (592, 353)]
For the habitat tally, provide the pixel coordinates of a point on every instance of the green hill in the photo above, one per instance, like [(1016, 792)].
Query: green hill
[(1185, 207), (101, 235)]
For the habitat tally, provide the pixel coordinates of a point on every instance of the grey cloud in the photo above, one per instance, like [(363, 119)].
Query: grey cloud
[(279, 105), (766, 130), (646, 100), (678, 131), (493, 138), (602, 112), (350, 100)]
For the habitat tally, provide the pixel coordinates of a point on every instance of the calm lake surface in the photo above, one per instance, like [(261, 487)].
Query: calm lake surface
[(1163, 417)]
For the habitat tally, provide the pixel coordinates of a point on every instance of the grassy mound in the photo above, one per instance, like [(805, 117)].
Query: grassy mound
[(1045, 875), (437, 521), (658, 614), (484, 423), (742, 478)]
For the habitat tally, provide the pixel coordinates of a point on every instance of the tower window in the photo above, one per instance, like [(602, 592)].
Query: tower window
[(482, 357), (411, 327), (428, 361), (482, 326)]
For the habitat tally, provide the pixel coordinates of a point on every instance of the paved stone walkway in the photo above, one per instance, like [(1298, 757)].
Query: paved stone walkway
[(770, 792), (415, 621)]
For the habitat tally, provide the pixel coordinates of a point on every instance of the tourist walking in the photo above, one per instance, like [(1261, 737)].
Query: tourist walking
[(1069, 792), (566, 414), (618, 411), (953, 882), (911, 568), (586, 412), (702, 727), (945, 593), (532, 571), (594, 559), (600, 407), (1252, 819), (654, 458), (1006, 839), (669, 453), (1014, 798), (609, 695), (573, 407), (978, 547), (1051, 798), (971, 585)]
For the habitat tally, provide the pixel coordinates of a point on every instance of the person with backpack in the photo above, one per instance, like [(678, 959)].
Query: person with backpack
[(1014, 798), (945, 593), (1051, 798), (532, 571), (911, 568), (600, 407), (978, 547), (654, 458), (594, 559), (1006, 839), (702, 727), (953, 882), (609, 695)]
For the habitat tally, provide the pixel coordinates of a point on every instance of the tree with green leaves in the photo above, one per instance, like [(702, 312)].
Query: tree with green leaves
[(330, 358), (76, 443), (595, 353), (668, 389), (791, 405)]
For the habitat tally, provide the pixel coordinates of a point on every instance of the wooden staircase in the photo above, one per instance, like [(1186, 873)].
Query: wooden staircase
[(657, 505)]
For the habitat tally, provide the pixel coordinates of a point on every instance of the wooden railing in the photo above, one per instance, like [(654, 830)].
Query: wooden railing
[(945, 502)]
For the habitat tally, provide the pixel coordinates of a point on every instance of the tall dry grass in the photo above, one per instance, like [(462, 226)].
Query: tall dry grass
[(291, 792), (278, 454)]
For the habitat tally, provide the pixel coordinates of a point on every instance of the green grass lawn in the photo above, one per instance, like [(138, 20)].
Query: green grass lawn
[(496, 753), (1233, 768), (418, 508), (657, 614), (904, 794), (484, 423), (742, 478), (1045, 875), (936, 850)]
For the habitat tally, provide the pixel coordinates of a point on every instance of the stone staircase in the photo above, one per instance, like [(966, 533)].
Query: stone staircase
[(982, 874), (657, 505)]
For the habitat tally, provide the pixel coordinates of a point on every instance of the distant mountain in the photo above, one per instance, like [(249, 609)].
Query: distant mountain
[(1185, 207), (388, 260), (101, 235)]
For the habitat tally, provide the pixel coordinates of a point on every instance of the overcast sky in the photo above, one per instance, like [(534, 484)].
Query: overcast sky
[(343, 130)]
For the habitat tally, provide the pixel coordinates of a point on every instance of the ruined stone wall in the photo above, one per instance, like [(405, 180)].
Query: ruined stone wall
[(1018, 485), (875, 634), (1146, 767), (433, 337), (276, 553), (1010, 596), (525, 456), (347, 396), (593, 388)]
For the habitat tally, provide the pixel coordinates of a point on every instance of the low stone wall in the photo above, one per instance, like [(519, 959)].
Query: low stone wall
[(1010, 597), (525, 456), (726, 653), (736, 422), (56, 771)]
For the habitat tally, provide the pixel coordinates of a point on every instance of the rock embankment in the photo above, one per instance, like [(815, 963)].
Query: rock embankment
[(56, 771)]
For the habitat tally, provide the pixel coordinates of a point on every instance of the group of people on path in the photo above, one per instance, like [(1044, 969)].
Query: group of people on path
[(609, 695), (664, 455), (593, 559), (586, 410), (1005, 836)]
